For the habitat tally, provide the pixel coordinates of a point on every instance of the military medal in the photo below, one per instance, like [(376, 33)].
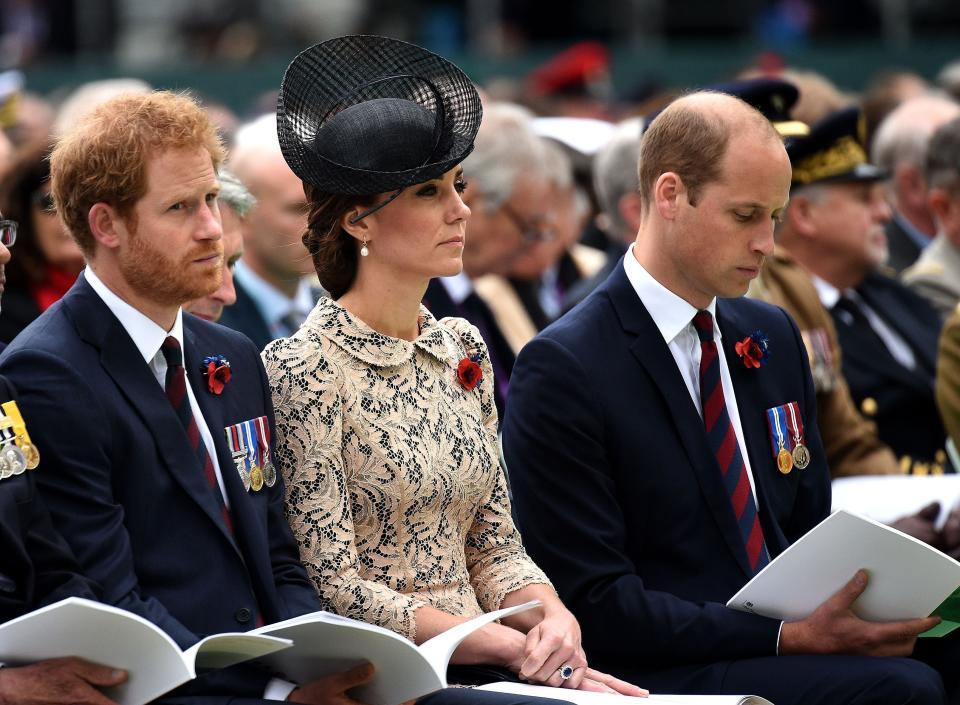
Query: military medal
[(263, 440), (780, 451), (30, 452), (12, 461), (15, 460), (253, 454), (256, 478), (238, 451), (801, 454)]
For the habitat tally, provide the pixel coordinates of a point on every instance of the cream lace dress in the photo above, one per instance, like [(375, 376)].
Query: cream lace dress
[(394, 488)]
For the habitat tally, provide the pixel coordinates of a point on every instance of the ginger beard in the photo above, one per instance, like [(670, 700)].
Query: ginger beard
[(157, 274)]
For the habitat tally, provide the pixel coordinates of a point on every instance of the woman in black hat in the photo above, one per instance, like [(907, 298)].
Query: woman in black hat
[(386, 426)]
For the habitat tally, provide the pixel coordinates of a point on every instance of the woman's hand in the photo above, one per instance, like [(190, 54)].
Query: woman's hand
[(553, 644), (598, 682)]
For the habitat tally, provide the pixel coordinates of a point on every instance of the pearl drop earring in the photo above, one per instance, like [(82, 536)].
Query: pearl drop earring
[(364, 251)]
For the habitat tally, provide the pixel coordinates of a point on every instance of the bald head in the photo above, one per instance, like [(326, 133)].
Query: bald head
[(690, 138)]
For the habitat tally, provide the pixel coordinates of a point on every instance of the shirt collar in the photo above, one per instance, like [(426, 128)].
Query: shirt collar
[(458, 287), (273, 303), (828, 293), (919, 238), (145, 333), (671, 314)]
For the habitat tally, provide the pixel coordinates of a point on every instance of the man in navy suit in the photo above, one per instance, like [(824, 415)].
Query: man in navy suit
[(145, 488), (648, 480), (156, 426)]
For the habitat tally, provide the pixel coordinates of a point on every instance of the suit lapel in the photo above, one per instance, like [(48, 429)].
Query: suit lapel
[(120, 358), (922, 340), (653, 354)]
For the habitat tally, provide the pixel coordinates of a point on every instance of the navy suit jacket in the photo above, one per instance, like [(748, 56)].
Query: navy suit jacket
[(125, 488), (620, 498), (906, 412), (36, 566), (245, 316)]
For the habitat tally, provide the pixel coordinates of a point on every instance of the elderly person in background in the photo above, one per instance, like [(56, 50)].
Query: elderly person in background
[(273, 297), (235, 202), (548, 267), (617, 186), (48, 258), (900, 147), (508, 199), (936, 274), (887, 333)]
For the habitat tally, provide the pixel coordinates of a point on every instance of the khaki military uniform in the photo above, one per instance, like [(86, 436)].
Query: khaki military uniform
[(849, 440), (948, 376), (936, 275)]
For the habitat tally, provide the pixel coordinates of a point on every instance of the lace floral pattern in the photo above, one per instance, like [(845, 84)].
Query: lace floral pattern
[(394, 487)]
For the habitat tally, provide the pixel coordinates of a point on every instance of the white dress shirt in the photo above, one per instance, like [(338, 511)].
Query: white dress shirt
[(892, 340), (272, 303), (674, 319), (459, 287)]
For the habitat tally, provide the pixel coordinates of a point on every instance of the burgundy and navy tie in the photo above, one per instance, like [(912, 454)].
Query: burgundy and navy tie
[(726, 449), (176, 389)]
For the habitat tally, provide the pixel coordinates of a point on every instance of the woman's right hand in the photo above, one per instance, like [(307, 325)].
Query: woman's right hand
[(599, 682)]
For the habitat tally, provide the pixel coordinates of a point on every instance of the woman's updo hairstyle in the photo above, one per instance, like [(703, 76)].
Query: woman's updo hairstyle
[(333, 250)]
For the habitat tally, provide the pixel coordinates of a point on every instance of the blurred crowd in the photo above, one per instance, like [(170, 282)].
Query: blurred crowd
[(553, 194)]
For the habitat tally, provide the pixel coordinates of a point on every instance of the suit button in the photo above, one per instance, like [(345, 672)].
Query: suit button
[(869, 406), (243, 615)]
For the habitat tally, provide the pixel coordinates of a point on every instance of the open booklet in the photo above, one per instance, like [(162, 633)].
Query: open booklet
[(403, 670), (114, 637), (312, 645), (582, 697), (908, 578)]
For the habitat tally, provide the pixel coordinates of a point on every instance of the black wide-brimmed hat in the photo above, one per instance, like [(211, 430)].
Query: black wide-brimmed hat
[(363, 114), (833, 151)]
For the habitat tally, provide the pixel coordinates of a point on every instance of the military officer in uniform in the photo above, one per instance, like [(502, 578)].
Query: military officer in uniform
[(833, 228)]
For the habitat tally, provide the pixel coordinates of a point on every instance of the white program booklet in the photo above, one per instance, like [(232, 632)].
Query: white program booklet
[(908, 578), (114, 637), (582, 697), (326, 643)]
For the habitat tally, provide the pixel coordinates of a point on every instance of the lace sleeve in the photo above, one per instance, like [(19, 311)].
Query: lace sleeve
[(496, 558), (306, 395)]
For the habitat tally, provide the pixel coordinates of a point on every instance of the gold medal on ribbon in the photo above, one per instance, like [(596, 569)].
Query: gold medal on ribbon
[(256, 478), (801, 456), (784, 461)]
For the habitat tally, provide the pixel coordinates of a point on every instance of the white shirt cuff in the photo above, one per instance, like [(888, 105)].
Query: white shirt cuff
[(779, 632), (278, 689)]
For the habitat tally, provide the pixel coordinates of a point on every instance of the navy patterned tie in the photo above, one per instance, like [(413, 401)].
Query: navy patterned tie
[(726, 449), (176, 389)]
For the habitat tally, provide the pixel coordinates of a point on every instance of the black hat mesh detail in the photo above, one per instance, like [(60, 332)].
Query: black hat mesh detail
[(349, 71)]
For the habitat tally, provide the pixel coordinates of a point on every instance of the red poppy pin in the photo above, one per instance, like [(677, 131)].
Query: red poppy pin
[(469, 373), (754, 350), (216, 369)]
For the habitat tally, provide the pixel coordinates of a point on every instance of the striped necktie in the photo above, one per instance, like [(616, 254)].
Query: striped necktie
[(725, 447), (176, 389)]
